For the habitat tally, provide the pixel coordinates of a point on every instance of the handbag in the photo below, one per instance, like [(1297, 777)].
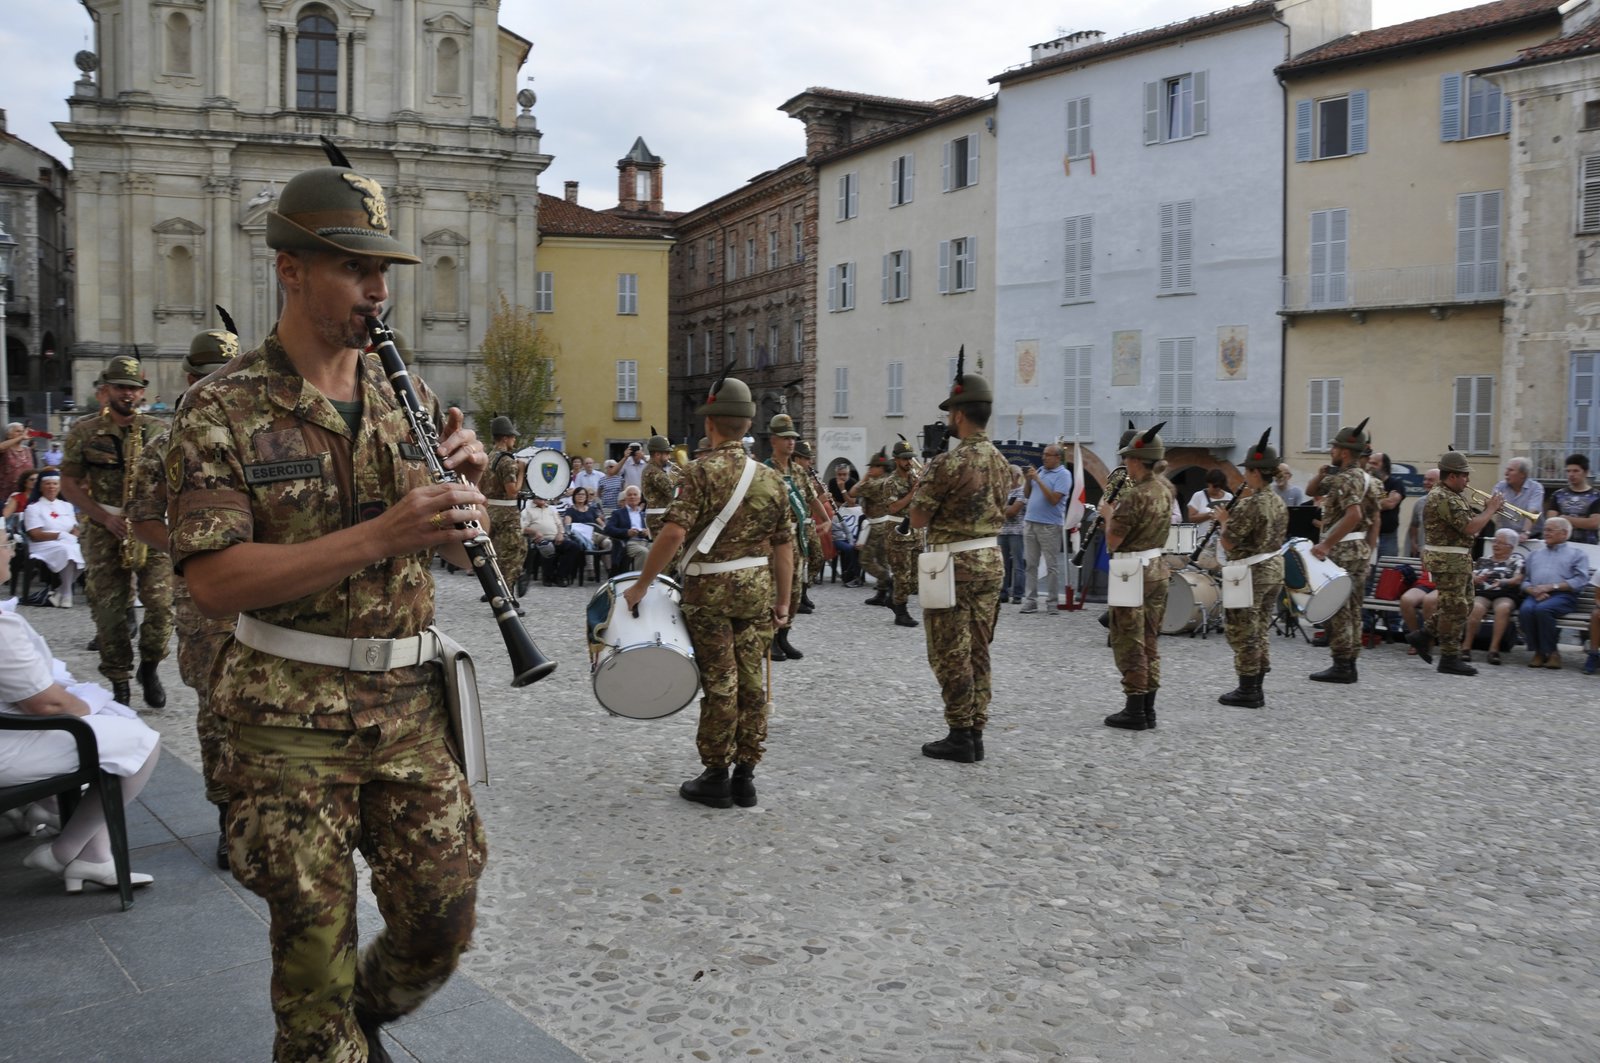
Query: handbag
[(1391, 585)]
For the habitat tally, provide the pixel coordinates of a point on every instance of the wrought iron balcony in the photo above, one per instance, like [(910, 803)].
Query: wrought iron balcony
[(1381, 289), (1549, 456), (1186, 427)]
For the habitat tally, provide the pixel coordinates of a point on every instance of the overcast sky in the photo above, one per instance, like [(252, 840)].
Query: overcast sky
[(700, 80)]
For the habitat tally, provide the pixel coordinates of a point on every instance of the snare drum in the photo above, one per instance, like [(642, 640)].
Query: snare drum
[(1192, 596), (644, 665), (549, 473), (1317, 588), (1181, 539)]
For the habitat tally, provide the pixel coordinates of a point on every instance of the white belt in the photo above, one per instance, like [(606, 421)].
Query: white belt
[(963, 546), (501, 501), (882, 520), (1446, 550), (1355, 537), (1144, 556), (357, 655), (115, 511), (1256, 559), (655, 512), (706, 568)]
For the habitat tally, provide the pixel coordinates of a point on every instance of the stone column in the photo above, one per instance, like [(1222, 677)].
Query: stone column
[(484, 61), (274, 100), (290, 98), (141, 266), (485, 212), (358, 72), (344, 103), (406, 60), (221, 58), (525, 263), (223, 191), (403, 283)]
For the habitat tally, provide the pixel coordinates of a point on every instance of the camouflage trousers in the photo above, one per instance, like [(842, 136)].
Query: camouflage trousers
[(903, 551), (1248, 629), (875, 555), (1452, 575), (301, 801), (1134, 631), (510, 545), (111, 593), (732, 654), (814, 552), (199, 642), (958, 650), (1344, 627)]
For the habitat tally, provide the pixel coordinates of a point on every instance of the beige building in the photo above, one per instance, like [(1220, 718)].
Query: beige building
[(190, 118), (1398, 166), (1552, 336)]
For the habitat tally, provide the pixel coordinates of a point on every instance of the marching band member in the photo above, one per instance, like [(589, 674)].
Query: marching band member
[(1253, 529), (1349, 536), (660, 482), (732, 597), (1448, 558), (501, 485), (873, 495), (902, 549), (960, 501), (803, 508), (803, 457), (1136, 533)]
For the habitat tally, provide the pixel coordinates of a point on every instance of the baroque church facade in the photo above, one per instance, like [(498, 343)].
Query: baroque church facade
[(192, 114)]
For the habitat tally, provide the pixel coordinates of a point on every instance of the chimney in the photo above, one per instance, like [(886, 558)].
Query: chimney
[(2, 119), (572, 191), (1062, 45)]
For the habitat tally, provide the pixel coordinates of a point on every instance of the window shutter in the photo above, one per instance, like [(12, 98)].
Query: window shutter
[(1319, 257), (854, 192), (1069, 259), (1315, 437), (972, 160), (1168, 247), (1488, 244), (1338, 254), (1466, 251), (833, 287), (886, 269), (1183, 246), (895, 166), (1302, 131), (1589, 213), (944, 266), (1201, 109), (1461, 436), (847, 286), (947, 146), (1152, 112), (844, 197), (1358, 122), (972, 264), (905, 272), (911, 177), (1450, 107)]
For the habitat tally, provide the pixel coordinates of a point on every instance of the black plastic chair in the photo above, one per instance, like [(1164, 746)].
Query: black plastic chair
[(66, 788)]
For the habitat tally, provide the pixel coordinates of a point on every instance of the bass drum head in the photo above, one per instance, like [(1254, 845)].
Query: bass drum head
[(1190, 595), (645, 682), (1327, 600), (549, 474)]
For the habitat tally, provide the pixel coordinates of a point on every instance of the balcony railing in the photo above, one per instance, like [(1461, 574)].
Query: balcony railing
[(1549, 456), (1378, 289), (1186, 427)]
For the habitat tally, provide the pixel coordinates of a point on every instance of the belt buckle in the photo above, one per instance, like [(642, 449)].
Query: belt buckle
[(371, 655)]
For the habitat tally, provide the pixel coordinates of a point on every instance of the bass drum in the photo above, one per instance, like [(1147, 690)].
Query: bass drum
[(643, 666), (549, 474), (1192, 598), (1317, 588)]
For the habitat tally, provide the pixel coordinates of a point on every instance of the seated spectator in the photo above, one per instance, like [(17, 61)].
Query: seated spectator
[(1552, 579), (630, 536), (846, 526), (560, 554), (584, 520), (1420, 595), (1497, 585), (844, 478), (18, 500), (51, 523), (33, 683), (1519, 489)]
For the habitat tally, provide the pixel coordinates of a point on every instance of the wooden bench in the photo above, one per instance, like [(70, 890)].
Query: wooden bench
[(1576, 619)]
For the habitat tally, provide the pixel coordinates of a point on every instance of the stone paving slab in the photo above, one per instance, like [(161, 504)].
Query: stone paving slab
[(1406, 869)]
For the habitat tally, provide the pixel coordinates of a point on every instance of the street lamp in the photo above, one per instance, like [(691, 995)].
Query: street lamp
[(8, 246)]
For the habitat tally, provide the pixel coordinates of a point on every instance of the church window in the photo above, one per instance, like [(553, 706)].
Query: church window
[(317, 62)]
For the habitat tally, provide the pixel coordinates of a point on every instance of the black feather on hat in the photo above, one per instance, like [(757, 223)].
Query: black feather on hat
[(1144, 438), (1259, 450), (335, 156), (712, 395), (227, 322)]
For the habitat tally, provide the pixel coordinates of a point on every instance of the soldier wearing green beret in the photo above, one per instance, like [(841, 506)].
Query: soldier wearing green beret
[(737, 581), (902, 548), (660, 482), (501, 485), (804, 508), (803, 456), (1349, 538), (1136, 534), (873, 495), (1253, 528), (300, 500), (1451, 526)]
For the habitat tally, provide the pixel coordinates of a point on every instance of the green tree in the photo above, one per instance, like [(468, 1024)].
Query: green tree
[(517, 374)]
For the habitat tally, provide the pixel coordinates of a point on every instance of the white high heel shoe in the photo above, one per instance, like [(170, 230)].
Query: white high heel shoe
[(80, 871)]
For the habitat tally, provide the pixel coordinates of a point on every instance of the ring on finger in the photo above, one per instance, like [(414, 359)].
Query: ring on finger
[(437, 520)]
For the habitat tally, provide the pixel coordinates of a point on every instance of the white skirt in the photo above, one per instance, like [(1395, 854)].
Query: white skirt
[(56, 553), (28, 756)]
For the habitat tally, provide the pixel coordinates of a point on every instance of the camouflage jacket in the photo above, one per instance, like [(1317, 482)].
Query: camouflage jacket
[(1144, 517), (659, 488), (1350, 486), (94, 452), (873, 495), (963, 492), (899, 487), (1445, 517), (503, 478), (761, 523), (260, 455), (1257, 523), (149, 497)]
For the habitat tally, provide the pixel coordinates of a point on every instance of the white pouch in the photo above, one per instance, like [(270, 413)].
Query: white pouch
[(1125, 583), (936, 580), (464, 709), (1238, 589)]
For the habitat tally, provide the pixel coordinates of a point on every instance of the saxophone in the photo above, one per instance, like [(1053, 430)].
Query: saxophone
[(134, 552)]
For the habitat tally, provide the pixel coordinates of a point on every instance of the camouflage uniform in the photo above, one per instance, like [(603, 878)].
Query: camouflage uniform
[(1350, 486), (799, 493), (729, 614), (903, 549), (93, 452), (659, 487), (1445, 518), (199, 638), (1144, 516), (873, 494), (320, 760), (1256, 524), (500, 484), (964, 493)]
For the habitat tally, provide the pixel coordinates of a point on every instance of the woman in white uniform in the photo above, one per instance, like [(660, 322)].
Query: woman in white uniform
[(33, 683), (50, 522)]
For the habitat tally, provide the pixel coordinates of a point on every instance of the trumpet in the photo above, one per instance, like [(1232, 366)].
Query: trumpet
[(1480, 498)]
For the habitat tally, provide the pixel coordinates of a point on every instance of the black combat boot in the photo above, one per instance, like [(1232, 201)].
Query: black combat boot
[(806, 604), (956, 746), (1453, 665), (1247, 695), (789, 652), (977, 743), (775, 651), (1132, 717), (155, 695), (222, 837), (743, 786), (902, 616), (370, 1028), (120, 692), (709, 788), (1150, 710), (1343, 671), (1422, 642), (882, 597)]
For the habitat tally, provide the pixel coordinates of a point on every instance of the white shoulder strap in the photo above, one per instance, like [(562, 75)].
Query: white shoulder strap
[(708, 538)]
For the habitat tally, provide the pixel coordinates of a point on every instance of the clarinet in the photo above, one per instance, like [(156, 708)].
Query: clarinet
[(528, 665), (1116, 483), (1216, 525)]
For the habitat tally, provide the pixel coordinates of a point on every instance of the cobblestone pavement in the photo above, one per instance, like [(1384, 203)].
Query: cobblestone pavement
[(1407, 869)]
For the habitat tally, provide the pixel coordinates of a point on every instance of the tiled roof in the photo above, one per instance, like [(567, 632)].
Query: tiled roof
[(1469, 21), (1143, 38), (557, 217), (1579, 42)]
